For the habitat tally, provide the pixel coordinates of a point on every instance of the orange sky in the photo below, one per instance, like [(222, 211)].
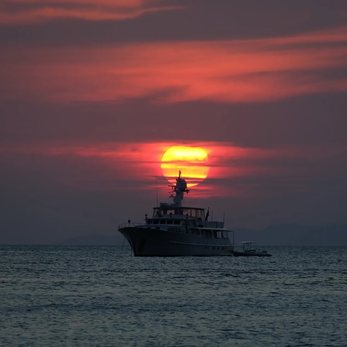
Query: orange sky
[(92, 93), (222, 71), (141, 162), (36, 11)]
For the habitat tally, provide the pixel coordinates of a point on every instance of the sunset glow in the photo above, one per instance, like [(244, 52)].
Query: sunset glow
[(102, 103), (38, 11), (258, 70), (192, 161)]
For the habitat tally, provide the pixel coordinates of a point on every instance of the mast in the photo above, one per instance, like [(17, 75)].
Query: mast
[(178, 190)]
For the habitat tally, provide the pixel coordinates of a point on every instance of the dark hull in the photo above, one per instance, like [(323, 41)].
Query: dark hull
[(164, 243)]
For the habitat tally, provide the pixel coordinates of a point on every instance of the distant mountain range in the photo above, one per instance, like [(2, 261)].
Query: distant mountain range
[(273, 235), (295, 235)]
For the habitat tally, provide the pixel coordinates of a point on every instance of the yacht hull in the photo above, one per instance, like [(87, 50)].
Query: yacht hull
[(165, 243)]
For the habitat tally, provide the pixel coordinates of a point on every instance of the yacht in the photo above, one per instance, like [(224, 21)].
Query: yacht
[(177, 230)]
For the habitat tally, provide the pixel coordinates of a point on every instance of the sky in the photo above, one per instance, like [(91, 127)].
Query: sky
[(92, 93)]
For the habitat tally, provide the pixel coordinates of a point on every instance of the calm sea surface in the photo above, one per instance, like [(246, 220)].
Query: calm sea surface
[(103, 296)]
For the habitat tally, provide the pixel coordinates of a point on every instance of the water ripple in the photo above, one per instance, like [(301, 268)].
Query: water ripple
[(102, 296)]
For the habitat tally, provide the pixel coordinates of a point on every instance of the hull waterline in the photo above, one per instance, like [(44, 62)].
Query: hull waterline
[(156, 242)]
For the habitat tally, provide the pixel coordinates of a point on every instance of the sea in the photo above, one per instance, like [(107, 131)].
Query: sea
[(104, 296)]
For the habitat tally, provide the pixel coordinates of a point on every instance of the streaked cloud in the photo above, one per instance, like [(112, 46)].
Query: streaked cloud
[(144, 158), (234, 170), (14, 12), (258, 70)]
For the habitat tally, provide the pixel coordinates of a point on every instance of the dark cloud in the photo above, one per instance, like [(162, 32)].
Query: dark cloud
[(303, 120), (188, 20)]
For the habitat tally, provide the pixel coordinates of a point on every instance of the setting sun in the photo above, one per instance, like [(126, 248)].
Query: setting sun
[(192, 161)]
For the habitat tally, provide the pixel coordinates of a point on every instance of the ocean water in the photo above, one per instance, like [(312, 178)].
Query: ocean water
[(103, 296)]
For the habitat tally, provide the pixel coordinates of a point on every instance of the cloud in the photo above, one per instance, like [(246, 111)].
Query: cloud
[(140, 160), (14, 12), (258, 70), (234, 170)]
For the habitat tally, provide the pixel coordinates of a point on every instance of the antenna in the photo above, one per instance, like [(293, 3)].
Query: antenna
[(156, 191)]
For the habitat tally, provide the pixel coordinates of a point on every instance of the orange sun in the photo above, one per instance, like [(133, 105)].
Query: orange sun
[(191, 160)]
